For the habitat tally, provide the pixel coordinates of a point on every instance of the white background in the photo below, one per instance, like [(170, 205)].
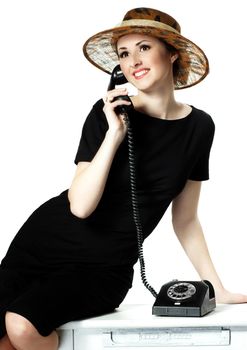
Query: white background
[(47, 88)]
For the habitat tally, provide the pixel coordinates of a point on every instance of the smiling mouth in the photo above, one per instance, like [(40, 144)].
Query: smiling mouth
[(141, 73)]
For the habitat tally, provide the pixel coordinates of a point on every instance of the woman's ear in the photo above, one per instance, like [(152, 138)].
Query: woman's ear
[(174, 56)]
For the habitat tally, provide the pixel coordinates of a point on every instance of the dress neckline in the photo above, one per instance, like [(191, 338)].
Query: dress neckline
[(161, 120)]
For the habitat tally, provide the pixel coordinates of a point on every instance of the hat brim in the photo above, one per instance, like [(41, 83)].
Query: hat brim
[(193, 64)]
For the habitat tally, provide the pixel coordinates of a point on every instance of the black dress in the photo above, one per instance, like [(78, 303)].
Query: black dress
[(60, 268)]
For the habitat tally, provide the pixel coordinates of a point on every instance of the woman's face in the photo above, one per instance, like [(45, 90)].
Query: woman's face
[(145, 62)]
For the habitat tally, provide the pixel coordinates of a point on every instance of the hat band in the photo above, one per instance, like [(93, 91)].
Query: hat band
[(147, 23)]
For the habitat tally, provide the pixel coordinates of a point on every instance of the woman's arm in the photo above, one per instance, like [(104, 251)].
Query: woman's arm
[(90, 178), (190, 234)]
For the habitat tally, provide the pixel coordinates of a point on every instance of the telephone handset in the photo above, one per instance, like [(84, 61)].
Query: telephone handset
[(176, 298), (117, 78)]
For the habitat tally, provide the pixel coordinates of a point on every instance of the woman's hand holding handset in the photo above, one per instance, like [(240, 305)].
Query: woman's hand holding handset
[(116, 123)]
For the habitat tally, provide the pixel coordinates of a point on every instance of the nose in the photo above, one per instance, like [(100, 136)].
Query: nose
[(135, 60)]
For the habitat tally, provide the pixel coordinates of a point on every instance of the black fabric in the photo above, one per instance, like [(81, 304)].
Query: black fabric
[(53, 242), (52, 299), (168, 153)]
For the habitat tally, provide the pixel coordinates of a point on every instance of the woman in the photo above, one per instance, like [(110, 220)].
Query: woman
[(74, 256)]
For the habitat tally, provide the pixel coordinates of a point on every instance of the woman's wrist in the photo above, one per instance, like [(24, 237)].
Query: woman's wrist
[(115, 136)]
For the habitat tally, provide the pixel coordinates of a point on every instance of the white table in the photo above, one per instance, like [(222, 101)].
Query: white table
[(134, 327)]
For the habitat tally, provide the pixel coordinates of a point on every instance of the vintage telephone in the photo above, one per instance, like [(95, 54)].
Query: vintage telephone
[(176, 298)]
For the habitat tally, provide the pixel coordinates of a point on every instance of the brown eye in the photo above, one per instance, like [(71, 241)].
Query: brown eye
[(144, 47), (123, 54)]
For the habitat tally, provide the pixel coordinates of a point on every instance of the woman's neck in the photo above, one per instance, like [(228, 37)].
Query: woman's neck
[(160, 106)]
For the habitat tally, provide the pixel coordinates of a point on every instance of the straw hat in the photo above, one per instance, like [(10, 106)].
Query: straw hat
[(100, 49)]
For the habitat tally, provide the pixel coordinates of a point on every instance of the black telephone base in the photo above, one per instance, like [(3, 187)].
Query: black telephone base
[(185, 299)]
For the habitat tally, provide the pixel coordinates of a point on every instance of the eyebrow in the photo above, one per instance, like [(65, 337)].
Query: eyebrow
[(137, 44)]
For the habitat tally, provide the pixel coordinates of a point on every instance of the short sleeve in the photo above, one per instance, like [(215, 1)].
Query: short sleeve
[(93, 133), (200, 169)]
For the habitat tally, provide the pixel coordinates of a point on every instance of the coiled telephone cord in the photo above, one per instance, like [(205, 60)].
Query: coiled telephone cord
[(135, 207)]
